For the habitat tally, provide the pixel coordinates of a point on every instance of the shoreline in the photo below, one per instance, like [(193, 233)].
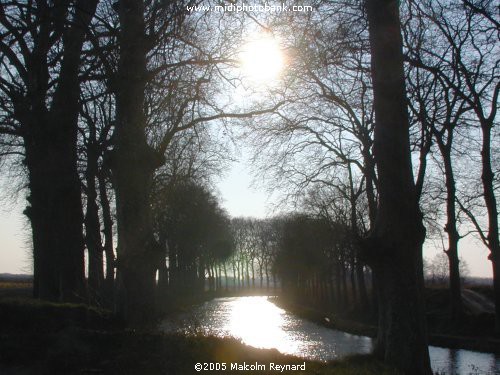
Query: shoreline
[(479, 344)]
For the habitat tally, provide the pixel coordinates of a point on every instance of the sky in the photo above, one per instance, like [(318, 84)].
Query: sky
[(239, 197), (13, 240)]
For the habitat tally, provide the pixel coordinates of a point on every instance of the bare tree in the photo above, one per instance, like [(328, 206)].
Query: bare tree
[(43, 107), (96, 119), (469, 31), (159, 94), (440, 111), (395, 244)]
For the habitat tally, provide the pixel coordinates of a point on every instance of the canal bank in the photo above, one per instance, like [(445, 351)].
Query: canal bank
[(326, 319)]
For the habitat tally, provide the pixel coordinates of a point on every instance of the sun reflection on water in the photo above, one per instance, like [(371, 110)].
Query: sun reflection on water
[(260, 324)]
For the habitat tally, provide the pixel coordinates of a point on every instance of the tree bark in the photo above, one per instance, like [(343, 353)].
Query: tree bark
[(247, 273), (92, 223), (363, 294), (354, 289), (234, 272), (238, 273), (133, 163), (50, 138), (252, 265), (451, 229), (39, 212), (56, 217), (345, 292), (225, 276), (395, 244), (492, 208), (108, 234)]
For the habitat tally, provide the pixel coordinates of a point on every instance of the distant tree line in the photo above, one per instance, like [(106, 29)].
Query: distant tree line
[(305, 257), (195, 233)]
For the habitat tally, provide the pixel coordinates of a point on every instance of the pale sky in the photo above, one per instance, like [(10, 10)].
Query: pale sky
[(238, 197), (13, 240)]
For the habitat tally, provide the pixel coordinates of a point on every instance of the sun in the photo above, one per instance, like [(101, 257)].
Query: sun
[(261, 59)]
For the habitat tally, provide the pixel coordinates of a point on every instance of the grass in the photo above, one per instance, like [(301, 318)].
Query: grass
[(127, 352), (19, 314), (15, 288), (327, 319), (15, 285)]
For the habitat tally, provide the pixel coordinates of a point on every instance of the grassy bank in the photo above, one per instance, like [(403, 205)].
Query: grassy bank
[(83, 351), (326, 318), (50, 338)]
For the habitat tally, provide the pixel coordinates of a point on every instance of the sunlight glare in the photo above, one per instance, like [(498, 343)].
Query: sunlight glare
[(262, 59), (259, 323)]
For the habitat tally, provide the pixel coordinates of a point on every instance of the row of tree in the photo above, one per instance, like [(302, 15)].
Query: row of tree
[(93, 94), (308, 258), (321, 145), (108, 101), (373, 97)]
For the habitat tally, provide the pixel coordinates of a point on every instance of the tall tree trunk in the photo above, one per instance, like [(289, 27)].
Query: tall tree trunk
[(162, 281), (451, 229), (354, 289), (491, 206), (163, 276), (51, 157), (333, 295), (216, 274), (338, 285), (495, 260), (173, 269), (92, 223), (107, 221), (252, 265), (238, 273), (64, 115), (225, 276), (369, 173), (261, 275), (233, 262), (247, 273), (363, 294), (45, 263), (395, 244), (200, 287), (211, 283), (345, 292), (133, 163)]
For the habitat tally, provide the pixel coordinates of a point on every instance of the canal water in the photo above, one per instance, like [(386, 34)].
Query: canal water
[(257, 322)]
